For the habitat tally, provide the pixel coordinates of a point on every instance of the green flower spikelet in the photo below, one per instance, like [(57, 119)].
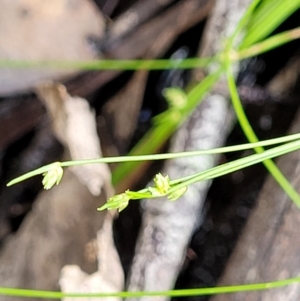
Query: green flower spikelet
[(53, 176)]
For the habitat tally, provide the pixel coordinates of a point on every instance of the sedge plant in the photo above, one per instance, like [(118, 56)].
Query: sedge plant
[(259, 21)]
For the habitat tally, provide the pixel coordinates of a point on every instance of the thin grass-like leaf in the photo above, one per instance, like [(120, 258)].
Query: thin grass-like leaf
[(166, 156), (238, 164), (26, 293), (270, 43), (267, 17), (157, 64), (243, 22), (251, 136)]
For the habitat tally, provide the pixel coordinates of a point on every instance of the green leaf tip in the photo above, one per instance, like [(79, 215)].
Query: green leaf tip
[(40, 171)]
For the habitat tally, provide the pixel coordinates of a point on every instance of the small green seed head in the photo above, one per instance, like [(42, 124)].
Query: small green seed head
[(53, 175), (162, 184), (119, 202)]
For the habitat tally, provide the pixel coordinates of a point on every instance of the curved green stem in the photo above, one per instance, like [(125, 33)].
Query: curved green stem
[(251, 136)]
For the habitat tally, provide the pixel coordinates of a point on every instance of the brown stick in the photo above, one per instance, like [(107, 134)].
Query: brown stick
[(167, 226)]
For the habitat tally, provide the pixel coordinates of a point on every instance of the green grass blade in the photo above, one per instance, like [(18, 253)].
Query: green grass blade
[(30, 174), (243, 22), (267, 17)]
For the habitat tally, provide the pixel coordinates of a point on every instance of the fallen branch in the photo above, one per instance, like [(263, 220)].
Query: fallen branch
[(167, 226)]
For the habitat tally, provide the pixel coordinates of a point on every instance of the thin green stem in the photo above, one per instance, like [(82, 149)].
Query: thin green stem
[(165, 156), (157, 64), (269, 44), (251, 136), (27, 293), (235, 165)]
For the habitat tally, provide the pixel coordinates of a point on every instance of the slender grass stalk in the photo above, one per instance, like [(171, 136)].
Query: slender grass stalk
[(269, 44), (26, 293), (251, 136), (140, 158), (157, 64), (235, 165)]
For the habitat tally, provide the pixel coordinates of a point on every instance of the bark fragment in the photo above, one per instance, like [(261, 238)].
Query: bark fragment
[(64, 222)]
